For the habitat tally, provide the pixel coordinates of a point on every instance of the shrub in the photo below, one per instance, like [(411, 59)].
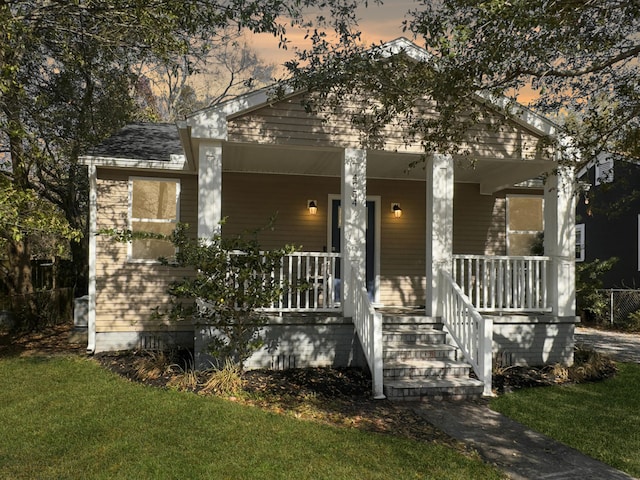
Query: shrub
[(224, 381), (590, 365), (633, 322), (150, 365), (592, 304), (233, 280)]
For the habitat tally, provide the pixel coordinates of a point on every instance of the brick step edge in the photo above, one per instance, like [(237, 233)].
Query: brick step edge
[(447, 388)]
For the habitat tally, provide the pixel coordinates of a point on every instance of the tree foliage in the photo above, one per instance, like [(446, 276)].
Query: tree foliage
[(24, 214), (579, 59), (234, 278), (70, 76)]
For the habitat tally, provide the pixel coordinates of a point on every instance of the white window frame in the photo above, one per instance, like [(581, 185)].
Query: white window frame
[(131, 219), (580, 240)]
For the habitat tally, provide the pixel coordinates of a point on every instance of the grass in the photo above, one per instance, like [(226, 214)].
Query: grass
[(67, 418), (600, 419)]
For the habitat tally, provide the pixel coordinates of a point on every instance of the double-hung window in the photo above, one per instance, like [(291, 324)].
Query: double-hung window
[(580, 242), (525, 223), (153, 212)]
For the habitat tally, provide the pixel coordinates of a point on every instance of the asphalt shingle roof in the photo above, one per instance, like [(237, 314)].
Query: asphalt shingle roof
[(141, 141)]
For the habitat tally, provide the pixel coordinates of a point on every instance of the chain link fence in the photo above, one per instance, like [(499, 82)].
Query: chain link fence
[(621, 305)]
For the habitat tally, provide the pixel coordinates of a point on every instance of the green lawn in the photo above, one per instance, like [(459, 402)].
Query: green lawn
[(67, 418), (600, 419)]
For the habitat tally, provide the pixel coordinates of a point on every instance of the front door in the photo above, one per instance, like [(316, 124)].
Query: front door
[(336, 225)]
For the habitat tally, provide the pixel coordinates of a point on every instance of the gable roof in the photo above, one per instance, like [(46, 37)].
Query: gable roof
[(165, 147), (212, 122)]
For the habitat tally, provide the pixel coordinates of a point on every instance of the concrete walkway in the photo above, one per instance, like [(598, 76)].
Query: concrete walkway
[(522, 453), (622, 347)]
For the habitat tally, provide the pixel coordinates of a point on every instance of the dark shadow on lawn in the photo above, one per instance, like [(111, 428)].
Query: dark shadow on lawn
[(52, 340)]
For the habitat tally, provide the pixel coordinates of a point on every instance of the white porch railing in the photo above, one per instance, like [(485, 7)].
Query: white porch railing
[(507, 284), (309, 278), (368, 324), (472, 333)]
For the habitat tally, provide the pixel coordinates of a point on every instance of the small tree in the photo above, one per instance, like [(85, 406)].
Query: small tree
[(591, 303), (234, 279)]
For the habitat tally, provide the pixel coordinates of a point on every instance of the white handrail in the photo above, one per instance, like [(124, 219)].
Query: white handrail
[(368, 324), (503, 283), (472, 333)]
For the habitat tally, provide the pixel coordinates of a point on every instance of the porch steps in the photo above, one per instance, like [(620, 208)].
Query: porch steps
[(419, 364)]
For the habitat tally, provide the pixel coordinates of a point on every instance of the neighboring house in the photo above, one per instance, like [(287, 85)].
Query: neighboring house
[(608, 218), (389, 249)]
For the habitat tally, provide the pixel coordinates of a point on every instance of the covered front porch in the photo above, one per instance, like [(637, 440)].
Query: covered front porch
[(355, 262), (450, 253)]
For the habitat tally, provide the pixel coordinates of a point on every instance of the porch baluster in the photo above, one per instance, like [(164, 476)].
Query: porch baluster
[(508, 284)]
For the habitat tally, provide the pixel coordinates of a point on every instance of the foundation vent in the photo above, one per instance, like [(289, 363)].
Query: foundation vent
[(283, 362)]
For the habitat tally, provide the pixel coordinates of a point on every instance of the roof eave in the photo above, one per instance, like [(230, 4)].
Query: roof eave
[(176, 163)]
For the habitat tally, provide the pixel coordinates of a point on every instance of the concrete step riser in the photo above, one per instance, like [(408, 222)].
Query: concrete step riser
[(426, 373), (449, 397), (419, 355), (408, 339), (404, 319)]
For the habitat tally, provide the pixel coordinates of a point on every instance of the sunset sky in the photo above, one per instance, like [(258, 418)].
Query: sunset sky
[(377, 22)]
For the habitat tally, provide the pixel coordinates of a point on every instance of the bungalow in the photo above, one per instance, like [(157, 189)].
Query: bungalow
[(417, 273)]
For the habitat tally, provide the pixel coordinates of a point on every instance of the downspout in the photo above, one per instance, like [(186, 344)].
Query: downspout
[(93, 215)]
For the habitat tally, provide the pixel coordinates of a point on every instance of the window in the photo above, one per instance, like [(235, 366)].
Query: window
[(604, 170), (153, 208), (525, 224), (580, 245)]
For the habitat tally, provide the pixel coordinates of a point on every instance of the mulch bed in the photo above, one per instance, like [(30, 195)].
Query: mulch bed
[(337, 396)]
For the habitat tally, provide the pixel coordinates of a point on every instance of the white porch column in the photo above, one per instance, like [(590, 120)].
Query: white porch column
[(209, 188), (560, 240), (439, 225), (354, 222)]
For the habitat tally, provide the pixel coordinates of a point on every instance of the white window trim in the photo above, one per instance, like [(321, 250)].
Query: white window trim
[(639, 242), (604, 171), (580, 239), (130, 219)]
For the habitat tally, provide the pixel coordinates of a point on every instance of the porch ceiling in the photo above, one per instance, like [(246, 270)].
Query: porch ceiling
[(491, 174)]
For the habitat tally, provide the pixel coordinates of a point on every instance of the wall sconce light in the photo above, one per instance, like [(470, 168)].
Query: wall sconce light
[(396, 210), (312, 205)]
